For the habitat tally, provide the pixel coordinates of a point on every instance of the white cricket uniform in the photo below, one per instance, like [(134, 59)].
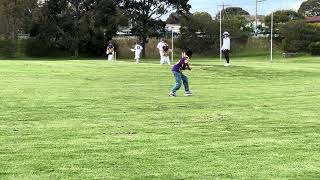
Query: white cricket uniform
[(110, 52), (226, 44), (160, 47), (110, 57), (137, 52), (166, 57), (226, 50)]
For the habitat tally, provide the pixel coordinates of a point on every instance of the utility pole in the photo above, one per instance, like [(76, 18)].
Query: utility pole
[(271, 34), (220, 37), (223, 6), (256, 17), (172, 44)]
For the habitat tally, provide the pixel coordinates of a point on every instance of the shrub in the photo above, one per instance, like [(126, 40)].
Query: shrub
[(315, 48), (7, 48), (298, 35), (253, 47), (39, 48)]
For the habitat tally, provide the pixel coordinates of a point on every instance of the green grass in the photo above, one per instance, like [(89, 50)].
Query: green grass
[(94, 120)]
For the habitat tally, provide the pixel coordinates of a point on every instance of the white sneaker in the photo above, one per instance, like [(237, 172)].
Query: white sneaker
[(172, 94), (188, 93), (226, 64)]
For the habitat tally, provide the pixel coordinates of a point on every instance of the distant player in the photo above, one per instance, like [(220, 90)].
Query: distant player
[(177, 69), (226, 48), (160, 48), (110, 51), (166, 54), (137, 51)]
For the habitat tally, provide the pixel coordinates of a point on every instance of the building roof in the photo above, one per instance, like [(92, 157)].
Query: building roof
[(173, 27), (253, 18), (314, 19)]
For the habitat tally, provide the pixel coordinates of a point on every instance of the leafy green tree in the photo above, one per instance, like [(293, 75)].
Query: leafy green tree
[(310, 8), (298, 35), (283, 16), (76, 25), (123, 19), (234, 11), (174, 18), (16, 15), (201, 33), (280, 18), (238, 27), (145, 15), (230, 12)]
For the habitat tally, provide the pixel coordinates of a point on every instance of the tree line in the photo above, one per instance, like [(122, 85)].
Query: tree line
[(81, 26), (76, 27)]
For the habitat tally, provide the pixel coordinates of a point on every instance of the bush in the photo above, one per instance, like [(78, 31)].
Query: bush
[(6, 50), (253, 47), (39, 48), (298, 35), (315, 48)]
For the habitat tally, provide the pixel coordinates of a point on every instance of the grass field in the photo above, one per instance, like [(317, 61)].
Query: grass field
[(94, 120)]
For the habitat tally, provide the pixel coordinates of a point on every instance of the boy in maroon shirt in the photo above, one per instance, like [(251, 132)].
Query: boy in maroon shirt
[(183, 64)]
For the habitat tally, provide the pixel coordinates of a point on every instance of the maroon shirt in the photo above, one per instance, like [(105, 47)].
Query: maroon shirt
[(181, 65)]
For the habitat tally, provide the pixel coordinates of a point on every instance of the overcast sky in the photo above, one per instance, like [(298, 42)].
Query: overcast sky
[(211, 6)]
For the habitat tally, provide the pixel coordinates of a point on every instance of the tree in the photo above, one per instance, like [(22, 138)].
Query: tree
[(15, 14), (310, 8), (199, 32), (145, 15), (174, 18), (282, 17), (238, 27), (232, 11), (76, 25), (298, 35)]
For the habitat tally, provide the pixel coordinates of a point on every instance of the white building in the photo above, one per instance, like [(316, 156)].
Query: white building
[(173, 27), (252, 21)]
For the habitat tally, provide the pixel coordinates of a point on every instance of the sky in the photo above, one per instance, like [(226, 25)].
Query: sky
[(266, 7)]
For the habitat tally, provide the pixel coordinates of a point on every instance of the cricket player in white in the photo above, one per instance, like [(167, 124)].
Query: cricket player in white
[(110, 51), (137, 52), (226, 48), (160, 48), (166, 54)]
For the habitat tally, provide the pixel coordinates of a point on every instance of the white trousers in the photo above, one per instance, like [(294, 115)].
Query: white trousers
[(165, 59), (137, 56), (110, 57), (161, 55)]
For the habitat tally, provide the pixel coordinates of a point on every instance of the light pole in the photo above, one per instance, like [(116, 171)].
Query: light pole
[(220, 36), (256, 17), (271, 34), (172, 44), (223, 6)]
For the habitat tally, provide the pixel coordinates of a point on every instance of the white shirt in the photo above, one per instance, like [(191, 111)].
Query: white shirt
[(138, 47), (160, 46), (226, 43)]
